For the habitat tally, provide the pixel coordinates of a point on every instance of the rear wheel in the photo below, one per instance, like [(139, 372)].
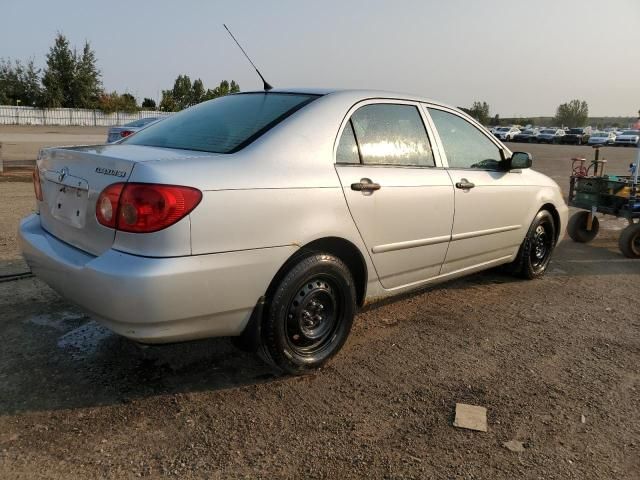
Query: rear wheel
[(629, 241), (309, 315), (577, 227), (536, 249)]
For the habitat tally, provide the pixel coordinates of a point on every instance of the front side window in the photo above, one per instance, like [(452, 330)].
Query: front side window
[(223, 125), (392, 134), (464, 145)]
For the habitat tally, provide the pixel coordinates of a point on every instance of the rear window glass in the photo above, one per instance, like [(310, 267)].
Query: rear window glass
[(223, 125)]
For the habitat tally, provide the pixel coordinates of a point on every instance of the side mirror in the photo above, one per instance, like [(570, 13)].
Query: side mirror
[(520, 160)]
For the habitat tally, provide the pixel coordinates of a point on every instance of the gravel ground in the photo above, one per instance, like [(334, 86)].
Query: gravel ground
[(554, 361)]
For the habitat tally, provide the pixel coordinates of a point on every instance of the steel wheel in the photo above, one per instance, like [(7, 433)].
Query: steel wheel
[(535, 252), (542, 243), (312, 316)]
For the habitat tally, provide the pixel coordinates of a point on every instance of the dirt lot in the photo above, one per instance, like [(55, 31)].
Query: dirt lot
[(555, 362), (21, 143)]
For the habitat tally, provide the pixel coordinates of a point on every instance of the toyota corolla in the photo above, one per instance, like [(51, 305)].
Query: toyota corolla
[(272, 216)]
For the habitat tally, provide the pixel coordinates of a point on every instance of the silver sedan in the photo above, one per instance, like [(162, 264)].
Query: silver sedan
[(272, 216)]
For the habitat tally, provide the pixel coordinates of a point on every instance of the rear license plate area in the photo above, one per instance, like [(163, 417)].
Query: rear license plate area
[(70, 205), (67, 200)]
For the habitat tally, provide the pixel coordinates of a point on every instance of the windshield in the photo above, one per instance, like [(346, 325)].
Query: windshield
[(504, 129), (552, 132), (575, 130), (224, 125), (600, 134), (631, 132), (140, 123)]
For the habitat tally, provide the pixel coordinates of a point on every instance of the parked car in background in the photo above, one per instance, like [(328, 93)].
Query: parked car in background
[(602, 138), (177, 232), (577, 136), (528, 135), (506, 133), (550, 135), (118, 133), (628, 138)]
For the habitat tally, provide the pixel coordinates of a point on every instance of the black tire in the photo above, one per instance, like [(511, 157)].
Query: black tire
[(310, 314), (577, 227), (629, 241), (536, 249)]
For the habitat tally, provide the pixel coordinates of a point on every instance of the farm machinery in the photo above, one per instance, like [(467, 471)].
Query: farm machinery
[(592, 191)]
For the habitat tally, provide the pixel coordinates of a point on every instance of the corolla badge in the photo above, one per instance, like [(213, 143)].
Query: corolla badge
[(63, 173), (111, 171)]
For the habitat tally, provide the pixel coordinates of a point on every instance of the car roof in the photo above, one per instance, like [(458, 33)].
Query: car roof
[(356, 94)]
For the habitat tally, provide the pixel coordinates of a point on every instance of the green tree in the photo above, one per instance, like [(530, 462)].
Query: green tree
[(114, 102), (480, 111), (495, 120), (70, 79), (148, 104), (58, 78), (184, 93), (19, 84), (168, 103), (573, 113), (197, 92), (225, 88), (86, 87)]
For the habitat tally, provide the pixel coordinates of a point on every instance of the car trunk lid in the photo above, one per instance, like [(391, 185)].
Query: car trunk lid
[(72, 179)]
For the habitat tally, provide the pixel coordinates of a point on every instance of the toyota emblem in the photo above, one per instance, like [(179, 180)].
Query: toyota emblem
[(63, 173)]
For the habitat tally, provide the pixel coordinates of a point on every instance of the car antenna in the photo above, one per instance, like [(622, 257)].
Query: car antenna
[(266, 85)]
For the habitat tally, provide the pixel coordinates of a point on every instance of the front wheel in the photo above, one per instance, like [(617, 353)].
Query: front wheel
[(536, 249), (629, 241), (309, 315)]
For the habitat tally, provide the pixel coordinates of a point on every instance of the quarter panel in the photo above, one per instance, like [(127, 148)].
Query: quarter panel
[(173, 241), (228, 220)]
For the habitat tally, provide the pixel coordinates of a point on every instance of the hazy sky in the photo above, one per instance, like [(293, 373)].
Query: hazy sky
[(522, 57)]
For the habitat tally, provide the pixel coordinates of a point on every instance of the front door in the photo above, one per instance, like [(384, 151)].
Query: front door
[(491, 205), (399, 197)]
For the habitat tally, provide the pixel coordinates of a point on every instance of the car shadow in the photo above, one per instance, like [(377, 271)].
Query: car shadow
[(58, 358)]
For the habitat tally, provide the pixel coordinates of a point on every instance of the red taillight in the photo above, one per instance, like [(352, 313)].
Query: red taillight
[(125, 133), (107, 206), (37, 186), (145, 207)]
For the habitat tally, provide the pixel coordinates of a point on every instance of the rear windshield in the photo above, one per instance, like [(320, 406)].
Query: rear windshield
[(575, 130), (223, 125)]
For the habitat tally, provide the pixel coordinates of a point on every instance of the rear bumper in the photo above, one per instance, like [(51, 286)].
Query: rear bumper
[(155, 300)]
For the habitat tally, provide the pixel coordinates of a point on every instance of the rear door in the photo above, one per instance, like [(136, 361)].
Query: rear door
[(491, 204), (400, 197)]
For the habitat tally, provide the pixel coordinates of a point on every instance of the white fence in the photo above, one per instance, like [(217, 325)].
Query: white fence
[(10, 115)]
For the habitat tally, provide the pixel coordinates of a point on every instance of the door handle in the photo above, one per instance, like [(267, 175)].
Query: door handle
[(365, 185), (465, 184)]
